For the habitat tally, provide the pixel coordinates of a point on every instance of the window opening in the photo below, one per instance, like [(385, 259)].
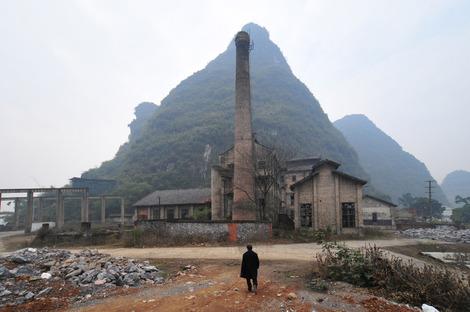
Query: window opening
[(349, 215), (306, 215)]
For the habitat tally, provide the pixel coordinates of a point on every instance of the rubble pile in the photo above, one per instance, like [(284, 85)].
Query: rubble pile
[(30, 274), (440, 234)]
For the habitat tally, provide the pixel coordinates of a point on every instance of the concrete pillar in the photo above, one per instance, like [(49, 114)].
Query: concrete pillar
[(216, 193), (29, 213), (122, 210), (85, 206), (297, 222), (244, 207), (40, 209), (103, 210), (60, 210), (17, 214)]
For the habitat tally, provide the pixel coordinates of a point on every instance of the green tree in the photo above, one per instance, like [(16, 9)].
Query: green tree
[(421, 204), (462, 200), (461, 214), (406, 200)]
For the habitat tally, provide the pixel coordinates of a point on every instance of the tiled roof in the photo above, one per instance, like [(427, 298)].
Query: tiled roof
[(176, 197)]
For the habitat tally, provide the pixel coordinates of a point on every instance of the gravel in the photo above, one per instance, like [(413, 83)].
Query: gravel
[(31, 274)]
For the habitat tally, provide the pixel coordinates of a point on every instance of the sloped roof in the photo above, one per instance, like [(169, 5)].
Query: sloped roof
[(327, 161), (380, 200), (302, 164), (313, 174), (363, 182), (176, 197)]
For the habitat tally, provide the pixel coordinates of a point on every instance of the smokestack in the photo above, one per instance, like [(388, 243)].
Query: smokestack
[(244, 207)]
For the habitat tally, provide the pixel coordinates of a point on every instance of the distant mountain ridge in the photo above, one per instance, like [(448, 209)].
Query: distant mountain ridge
[(392, 170), (456, 183), (195, 123)]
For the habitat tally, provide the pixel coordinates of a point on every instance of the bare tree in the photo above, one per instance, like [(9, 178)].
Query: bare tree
[(269, 165)]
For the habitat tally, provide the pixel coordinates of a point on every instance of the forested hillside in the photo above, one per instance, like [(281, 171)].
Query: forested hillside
[(195, 123), (391, 169), (456, 183)]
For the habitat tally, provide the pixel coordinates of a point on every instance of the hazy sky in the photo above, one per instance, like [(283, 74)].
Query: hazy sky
[(72, 72)]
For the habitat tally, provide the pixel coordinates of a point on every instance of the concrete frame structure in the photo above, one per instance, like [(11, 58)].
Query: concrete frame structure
[(60, 204)]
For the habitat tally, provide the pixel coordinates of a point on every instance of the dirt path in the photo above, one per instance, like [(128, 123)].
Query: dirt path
[(215, 285)]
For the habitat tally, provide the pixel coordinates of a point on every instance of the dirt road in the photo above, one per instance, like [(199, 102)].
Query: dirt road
[(298, 252)]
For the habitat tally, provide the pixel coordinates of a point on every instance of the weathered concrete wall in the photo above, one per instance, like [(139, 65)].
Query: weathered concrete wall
[(242, 231), (35, 226), (383, 211)]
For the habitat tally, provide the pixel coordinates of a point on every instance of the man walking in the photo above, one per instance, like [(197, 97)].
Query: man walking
[(250, 265)]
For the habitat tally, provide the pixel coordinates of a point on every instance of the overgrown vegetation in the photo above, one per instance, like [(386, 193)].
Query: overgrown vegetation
[(304, 235), (395, 279), (202, 215), (145, 239), (54, 238)]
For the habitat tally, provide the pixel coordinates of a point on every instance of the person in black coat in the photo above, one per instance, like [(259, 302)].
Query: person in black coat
[(250, 265)]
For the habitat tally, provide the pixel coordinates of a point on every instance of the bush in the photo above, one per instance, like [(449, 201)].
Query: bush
[(202, 215), (345, 264), (391, 277)]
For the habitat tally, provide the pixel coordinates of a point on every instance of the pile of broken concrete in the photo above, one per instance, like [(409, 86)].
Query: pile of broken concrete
[(87, 269), (441, 234)]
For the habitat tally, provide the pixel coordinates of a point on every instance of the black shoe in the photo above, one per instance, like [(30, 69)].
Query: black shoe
[(255, 288)]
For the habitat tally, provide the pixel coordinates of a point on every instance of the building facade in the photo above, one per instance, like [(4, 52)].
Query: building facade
[(172, 204), (328, 199), (265, 174), (378, 213)]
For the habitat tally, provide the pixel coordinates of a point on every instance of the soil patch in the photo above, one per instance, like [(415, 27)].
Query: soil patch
[(215, 285)]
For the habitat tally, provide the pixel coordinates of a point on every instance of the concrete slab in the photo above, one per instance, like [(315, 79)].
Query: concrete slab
[(449, 257)]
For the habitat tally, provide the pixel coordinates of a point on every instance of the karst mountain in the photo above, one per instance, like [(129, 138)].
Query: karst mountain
[(173, 145), (455, 184), (391, 169)]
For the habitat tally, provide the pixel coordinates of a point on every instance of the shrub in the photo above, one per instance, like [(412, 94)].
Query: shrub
[(391, 277), (345, 264), (202, 215)]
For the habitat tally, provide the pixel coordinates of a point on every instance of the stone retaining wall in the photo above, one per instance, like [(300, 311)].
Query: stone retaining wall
[(236, 231)]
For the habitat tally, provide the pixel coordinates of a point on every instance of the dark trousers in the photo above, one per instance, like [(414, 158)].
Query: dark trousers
[(248, 282)]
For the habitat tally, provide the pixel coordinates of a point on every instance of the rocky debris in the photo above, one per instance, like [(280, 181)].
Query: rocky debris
[(31, 274), (439, 234)]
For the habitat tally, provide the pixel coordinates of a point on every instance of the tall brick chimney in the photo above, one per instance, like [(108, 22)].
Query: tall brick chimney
[(243, 207)]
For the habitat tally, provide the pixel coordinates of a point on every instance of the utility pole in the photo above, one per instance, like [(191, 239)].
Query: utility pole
[(430, 187)]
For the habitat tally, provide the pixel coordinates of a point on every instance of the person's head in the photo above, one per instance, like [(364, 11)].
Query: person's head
[(249, 247)]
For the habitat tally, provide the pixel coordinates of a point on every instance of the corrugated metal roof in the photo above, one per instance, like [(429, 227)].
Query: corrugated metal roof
[(176, 197)]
